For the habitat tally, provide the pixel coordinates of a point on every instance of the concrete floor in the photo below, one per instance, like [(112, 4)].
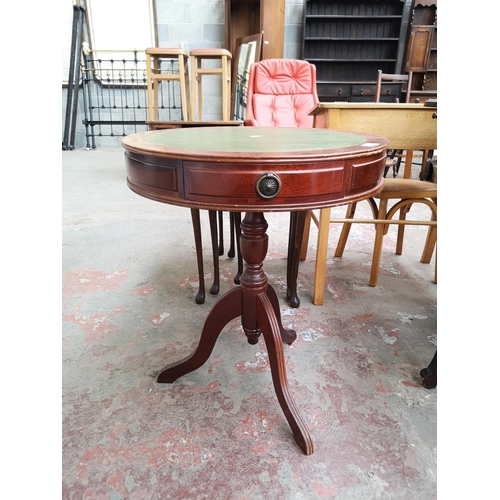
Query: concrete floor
[(129, 282)]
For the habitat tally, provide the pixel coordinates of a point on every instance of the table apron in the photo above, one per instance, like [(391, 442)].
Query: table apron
[(231, 186)]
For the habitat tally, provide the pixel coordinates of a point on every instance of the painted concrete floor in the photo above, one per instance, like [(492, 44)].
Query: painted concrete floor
[(129, 282)]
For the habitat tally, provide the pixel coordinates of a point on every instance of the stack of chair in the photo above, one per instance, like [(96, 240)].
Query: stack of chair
[(397, 196)]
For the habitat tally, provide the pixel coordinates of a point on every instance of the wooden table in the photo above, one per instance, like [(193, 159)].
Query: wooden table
[(253, 170), (408, 126)]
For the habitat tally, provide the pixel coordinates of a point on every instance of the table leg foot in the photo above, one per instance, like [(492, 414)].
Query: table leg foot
[(227, 308), (269, 325)]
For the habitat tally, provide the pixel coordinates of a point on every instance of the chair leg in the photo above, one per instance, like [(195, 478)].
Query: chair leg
[(289, 256), (377, 247), (221, 233), (436, 268), (423, 168), (305, 236), (430, 244), (401, 230), (195, 217), (346, 228), (295, 235), (321, 252), (232, 231), (214, 289)]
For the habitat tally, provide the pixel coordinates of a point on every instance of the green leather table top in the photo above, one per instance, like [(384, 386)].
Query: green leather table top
[(254, 139)]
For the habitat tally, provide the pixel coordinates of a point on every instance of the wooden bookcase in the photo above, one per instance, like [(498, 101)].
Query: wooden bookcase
[(349, 40)]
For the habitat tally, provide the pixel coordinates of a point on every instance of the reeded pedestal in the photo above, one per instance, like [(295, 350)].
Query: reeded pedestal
[(257, 304)]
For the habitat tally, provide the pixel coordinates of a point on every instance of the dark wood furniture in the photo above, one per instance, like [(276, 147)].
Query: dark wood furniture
[(429, 373), (250, 17), (421, 55), (349, 40), (253, 170)]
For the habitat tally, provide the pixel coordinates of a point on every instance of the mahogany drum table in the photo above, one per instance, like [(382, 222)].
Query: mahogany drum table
[(253, 170)]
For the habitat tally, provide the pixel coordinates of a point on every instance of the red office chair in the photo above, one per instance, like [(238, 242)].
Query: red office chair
[(281, 93)]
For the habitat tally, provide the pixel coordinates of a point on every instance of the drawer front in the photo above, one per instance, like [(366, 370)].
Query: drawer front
[(363, 90), (366, 92), (231, 184), (390, 92), (334, 90)]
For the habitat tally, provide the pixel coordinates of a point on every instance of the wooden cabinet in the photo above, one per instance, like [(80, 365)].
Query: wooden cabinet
[(250, 17), (349, 41), (421, 56)]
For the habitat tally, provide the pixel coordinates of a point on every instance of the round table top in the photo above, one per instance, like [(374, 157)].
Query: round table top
[(221, 167), (268, 142)]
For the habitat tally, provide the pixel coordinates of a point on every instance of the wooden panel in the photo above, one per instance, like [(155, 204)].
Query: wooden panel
[(272, 22), (366, 173), (150, 172), (419, 48)]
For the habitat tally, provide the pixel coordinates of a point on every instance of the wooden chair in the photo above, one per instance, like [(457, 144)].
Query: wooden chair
[(405, 79), (403, 192), (394, 156), (281, 92), (160, 67), (199, 70)]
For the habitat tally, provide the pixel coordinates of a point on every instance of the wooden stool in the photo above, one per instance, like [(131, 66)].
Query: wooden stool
[(197, 71), (154, 75)]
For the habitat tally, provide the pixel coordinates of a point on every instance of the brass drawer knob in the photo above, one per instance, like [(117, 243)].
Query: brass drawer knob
[(268, 185)]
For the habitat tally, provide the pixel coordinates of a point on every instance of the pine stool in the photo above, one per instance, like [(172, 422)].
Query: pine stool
[(197, 71), (154, 75)]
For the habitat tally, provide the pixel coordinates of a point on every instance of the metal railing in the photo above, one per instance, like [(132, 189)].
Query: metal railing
[(115, 94)]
